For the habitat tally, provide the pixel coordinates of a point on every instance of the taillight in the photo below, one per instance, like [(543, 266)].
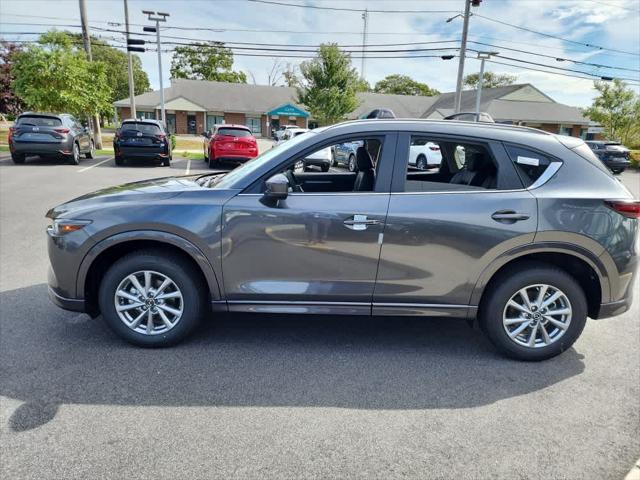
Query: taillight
[(11, 130), (435, 149), (64, 131), (629, 209), (161, 137), (218, 138), (118, 134)]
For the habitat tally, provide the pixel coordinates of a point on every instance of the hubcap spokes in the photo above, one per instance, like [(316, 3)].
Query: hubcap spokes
[(149, 302), (537, 315)]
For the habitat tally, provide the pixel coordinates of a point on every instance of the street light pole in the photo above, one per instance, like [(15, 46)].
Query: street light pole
[(365, 18), (463, 51), (482, 56), (132, 100), (158, 17), (86, 40)]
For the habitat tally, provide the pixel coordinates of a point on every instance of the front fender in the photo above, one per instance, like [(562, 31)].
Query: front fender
[(155, 235)]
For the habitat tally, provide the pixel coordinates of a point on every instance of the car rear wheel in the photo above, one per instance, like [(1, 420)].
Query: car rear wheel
[(151, 299), (213, 163), (75, 155), (119, 160), (617, 171), (206, 154), (17, 158), (92, 151), (421, 163), (534, 312), (352, 163), (165, 162)]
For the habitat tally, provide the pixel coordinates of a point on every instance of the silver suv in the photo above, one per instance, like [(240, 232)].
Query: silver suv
[(525, 231)]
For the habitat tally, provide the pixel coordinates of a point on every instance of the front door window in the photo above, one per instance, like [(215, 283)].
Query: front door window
[(191, 124)]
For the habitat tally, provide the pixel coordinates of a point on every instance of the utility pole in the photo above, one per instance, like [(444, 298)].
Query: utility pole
[(132, 100), (365, 18), (482, 56), (158, 17), (463, 51), (86, 40)]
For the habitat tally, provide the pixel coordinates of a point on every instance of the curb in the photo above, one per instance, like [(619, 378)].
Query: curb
[(634, 473)]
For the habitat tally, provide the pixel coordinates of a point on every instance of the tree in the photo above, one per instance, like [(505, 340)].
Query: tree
[(10, 104), (362, 85), (489, 80), (204, 61), (617, 109), (290, 75), (404, 85), (54, 76), (116, 67), (328, 85)]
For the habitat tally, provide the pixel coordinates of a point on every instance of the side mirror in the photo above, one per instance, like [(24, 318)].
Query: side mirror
[(277, 188)]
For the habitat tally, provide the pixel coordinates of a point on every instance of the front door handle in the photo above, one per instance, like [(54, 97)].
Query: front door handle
[(360, 222), (509, 216)]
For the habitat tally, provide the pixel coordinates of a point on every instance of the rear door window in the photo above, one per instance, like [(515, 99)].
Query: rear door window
[(39, 121), (234, 132), (146, 128)]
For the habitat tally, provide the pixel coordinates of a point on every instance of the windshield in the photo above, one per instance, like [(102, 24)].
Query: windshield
[(252, 165)]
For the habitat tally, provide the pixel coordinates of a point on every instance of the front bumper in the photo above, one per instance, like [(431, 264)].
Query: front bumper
[(73, 304)]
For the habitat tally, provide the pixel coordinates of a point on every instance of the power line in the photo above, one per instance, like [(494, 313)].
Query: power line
[(345, 9), (590, 45)]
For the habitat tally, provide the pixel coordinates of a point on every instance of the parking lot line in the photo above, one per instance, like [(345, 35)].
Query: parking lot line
[(186, 172), (94, 165)]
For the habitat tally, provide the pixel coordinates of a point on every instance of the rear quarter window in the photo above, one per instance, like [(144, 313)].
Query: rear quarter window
[(40, 121), (234, 132), (530, 164)]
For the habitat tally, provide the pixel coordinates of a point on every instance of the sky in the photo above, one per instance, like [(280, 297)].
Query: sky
[(610, 24)]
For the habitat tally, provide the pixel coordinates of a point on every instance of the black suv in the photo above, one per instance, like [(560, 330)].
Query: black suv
[(613, 154), (50, 135), (142, 139)]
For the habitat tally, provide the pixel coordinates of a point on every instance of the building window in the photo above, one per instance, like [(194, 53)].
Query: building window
[(565, 130), (213, 120), (147, 115), (254, 125)]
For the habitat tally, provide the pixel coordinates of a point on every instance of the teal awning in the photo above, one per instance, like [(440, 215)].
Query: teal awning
[(288, 109)]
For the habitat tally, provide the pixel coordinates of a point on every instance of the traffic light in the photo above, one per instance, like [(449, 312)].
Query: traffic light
[(135, 41), (476, 3)]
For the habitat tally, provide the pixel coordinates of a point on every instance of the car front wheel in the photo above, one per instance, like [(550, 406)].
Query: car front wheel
[(534, 312), (92, 151), (151, 299)]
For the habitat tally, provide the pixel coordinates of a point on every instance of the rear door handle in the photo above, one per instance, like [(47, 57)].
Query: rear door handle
[(360, 222), (509, 216)]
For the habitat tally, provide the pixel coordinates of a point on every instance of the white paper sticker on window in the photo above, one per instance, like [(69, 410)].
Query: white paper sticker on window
[(528, 161)]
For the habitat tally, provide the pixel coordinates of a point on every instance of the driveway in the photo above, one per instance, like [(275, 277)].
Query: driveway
[(285, 396)]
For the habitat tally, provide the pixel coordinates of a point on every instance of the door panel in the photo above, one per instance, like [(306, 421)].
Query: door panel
[(301, 250), (437, 244), (326, 182)]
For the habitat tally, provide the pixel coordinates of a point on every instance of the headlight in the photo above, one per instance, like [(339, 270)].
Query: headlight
[(64, 226)]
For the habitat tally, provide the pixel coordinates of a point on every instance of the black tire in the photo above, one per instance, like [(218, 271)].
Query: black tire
[(421, 162), (617, 171), (119, 161), (181, 272), (165, 162), (506, 285), (74, 159), (352, 163), (92, 151), (213, 163), (17, 158)]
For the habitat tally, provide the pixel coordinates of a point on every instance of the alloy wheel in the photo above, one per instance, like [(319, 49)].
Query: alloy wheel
[(422, 165), (148, 302), (537, 315), (76, 153), (352, 164)]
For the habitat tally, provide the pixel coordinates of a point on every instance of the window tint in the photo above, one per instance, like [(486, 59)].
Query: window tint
[(436, 165), (529, 164), (39, 121), (148, 128), (233, 132)]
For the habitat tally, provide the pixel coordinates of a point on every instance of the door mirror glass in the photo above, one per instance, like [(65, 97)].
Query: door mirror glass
[(277, 187)]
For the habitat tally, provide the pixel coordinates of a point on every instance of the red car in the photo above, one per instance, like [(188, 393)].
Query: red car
[(229, 143)]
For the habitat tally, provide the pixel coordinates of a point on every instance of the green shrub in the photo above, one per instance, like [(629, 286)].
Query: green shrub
[(634, 156), (173, 141)]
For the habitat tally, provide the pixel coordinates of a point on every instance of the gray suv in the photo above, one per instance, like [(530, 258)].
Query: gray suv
[(50, 135), (525, 231)]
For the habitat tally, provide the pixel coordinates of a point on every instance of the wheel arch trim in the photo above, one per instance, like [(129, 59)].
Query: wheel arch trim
[(543, 247), (151, 235)]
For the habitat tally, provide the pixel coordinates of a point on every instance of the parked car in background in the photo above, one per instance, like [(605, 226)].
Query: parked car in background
[(379, 113), (277, 134), (142, 139), (613, 154), (288, 134), (499, 237), (424, 154), (50, 135), (345, 153), (322, 158), (228, 142)]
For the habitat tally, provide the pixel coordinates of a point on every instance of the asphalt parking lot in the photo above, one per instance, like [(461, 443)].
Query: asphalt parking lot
[(284, 396)]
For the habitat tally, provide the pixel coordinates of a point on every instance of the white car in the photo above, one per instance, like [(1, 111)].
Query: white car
[(322, 158), (424, 154), (278, 134)]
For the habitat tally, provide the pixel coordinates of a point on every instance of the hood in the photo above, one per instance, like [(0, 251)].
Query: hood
[(153, 190)]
